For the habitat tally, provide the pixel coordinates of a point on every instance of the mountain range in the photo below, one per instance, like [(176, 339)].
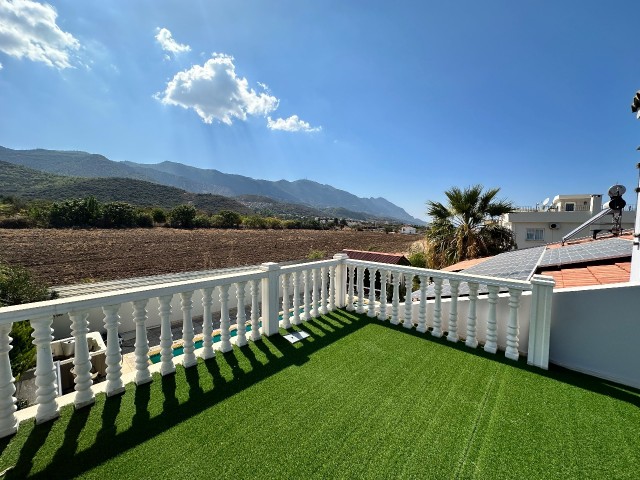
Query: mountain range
[(319, 197)]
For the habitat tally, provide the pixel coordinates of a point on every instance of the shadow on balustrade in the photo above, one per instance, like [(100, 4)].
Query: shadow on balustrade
[(580, 380), (167, 401)]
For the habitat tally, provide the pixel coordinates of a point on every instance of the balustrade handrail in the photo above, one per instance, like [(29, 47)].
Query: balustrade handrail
[(462, 277), (29, 311), (299, 267)]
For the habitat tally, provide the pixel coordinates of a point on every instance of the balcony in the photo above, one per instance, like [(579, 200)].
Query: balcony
[(440, 387)]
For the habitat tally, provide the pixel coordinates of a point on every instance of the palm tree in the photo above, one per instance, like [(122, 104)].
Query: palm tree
[(466, 228)]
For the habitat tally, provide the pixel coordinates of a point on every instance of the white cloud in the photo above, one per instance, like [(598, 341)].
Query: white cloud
[(291, 124), (1, 67), (168, 44), (28, 29), (215, 92)]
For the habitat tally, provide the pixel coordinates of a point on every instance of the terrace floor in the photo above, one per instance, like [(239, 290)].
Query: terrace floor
[(358, 399)]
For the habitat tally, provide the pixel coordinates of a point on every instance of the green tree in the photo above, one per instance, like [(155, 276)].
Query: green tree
[(182, 216), (466, 227)]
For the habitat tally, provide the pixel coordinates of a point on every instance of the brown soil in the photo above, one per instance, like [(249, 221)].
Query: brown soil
[(62, 257)]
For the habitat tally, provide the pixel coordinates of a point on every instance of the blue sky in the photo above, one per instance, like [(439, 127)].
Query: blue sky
[(395, 99)]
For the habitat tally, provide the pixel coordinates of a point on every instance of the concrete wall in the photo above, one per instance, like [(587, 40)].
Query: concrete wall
[(595, 330)]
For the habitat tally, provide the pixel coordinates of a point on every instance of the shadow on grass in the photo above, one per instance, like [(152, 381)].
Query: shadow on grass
[(560, 374), (278, 353)]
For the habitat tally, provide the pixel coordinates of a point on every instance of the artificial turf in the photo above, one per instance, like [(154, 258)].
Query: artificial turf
[(358, 399)]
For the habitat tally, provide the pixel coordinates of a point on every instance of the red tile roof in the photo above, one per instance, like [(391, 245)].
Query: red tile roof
[(380, 257), (456, 267), (583, 276)]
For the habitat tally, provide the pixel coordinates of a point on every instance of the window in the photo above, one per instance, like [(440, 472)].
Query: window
[(569, 207), (535, 234)]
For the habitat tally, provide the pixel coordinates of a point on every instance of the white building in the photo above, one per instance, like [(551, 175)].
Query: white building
[(540, 225), (407, 229)]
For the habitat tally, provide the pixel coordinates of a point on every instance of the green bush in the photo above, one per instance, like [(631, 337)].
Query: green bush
[(317, 255), (182, 216), (16, 222), (159, 215), (254, 221), (202, 221), (118, 215), (418, 259), (228, 219), (274, 223), (143, 219), (85, 212)]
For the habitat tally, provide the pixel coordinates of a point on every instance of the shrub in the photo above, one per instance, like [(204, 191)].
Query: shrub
[(274, 223), (418, 259), (17, 222), (39, 212), (118, 215), (182, 216), (229, 219), (202, 221), (159, 215), (143, 219), (317, 255), (254, 221), (293, 224), (75, 213)]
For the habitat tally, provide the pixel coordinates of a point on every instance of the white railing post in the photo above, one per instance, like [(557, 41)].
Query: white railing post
[(422, 311), (452, 330), (45, 372), (225, 335), (142, 343), (241, 318), (296, 298), (8, 418), (315, 285), (382, 312), (114, 353), (332, 288), (540, 321), (513, 328), (189, 357), (166, 337), (323, 293), (491, 346), (395, 301), (360, 280), (408, 301), (350, 288), (255, 314), (270, 297), (437, 308), (81, 359), (340, 280), (207, 324), (286, 321), (306, 295), (371, 312), (472, 340)]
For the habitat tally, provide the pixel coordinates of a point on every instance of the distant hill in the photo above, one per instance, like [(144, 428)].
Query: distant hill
[(197, 180)]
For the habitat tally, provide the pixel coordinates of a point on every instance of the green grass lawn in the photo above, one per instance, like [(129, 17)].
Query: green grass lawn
[(359, 399)]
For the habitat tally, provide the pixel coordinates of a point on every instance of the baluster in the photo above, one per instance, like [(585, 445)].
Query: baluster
[(422, 312), (395, 302), (350, 289), (8, 418), (45, 373), (323, 291), (307, 298), (241, 320), (452, 334), (296, 298), (360, 306), (437, 308), (286, 321), (225, 335), (512, 329), (114, 354), (314, 289), (471, 319), (81, 360), (189, 359), (408, 302), (207, 324), (255, 314), (372, 292), (491, 345), (382, 313), (166, 336), (142, 343), (332, 288)]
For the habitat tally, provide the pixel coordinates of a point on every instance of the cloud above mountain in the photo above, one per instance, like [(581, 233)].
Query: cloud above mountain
[(168, 43), (28, 29)]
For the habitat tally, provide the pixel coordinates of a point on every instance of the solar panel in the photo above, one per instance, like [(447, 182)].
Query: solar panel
[(587, 252)]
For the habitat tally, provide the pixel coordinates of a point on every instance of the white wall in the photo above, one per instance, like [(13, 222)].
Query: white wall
[(596, 330)]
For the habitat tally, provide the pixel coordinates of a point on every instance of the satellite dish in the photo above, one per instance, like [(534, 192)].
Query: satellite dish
[(545, 202), (617, 191)]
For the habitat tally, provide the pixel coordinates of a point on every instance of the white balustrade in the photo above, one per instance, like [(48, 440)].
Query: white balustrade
[(296, 298), (115, 385), (46, 384), (491, 344), (360, 305), (189, 357), (408, 302), (207, 324), (512, 328), (371, 311), (286, 322), (241, 319), (225, 334), (8, 419), (382, 314), (437, 308), (142, 343), (81, 359), (350, 289), (323, 291), (314, 296), (255, 314), (422, 311), (452, 334), (471, 340), (166, 336), (306, 316), (332, 288), (395, 301)]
